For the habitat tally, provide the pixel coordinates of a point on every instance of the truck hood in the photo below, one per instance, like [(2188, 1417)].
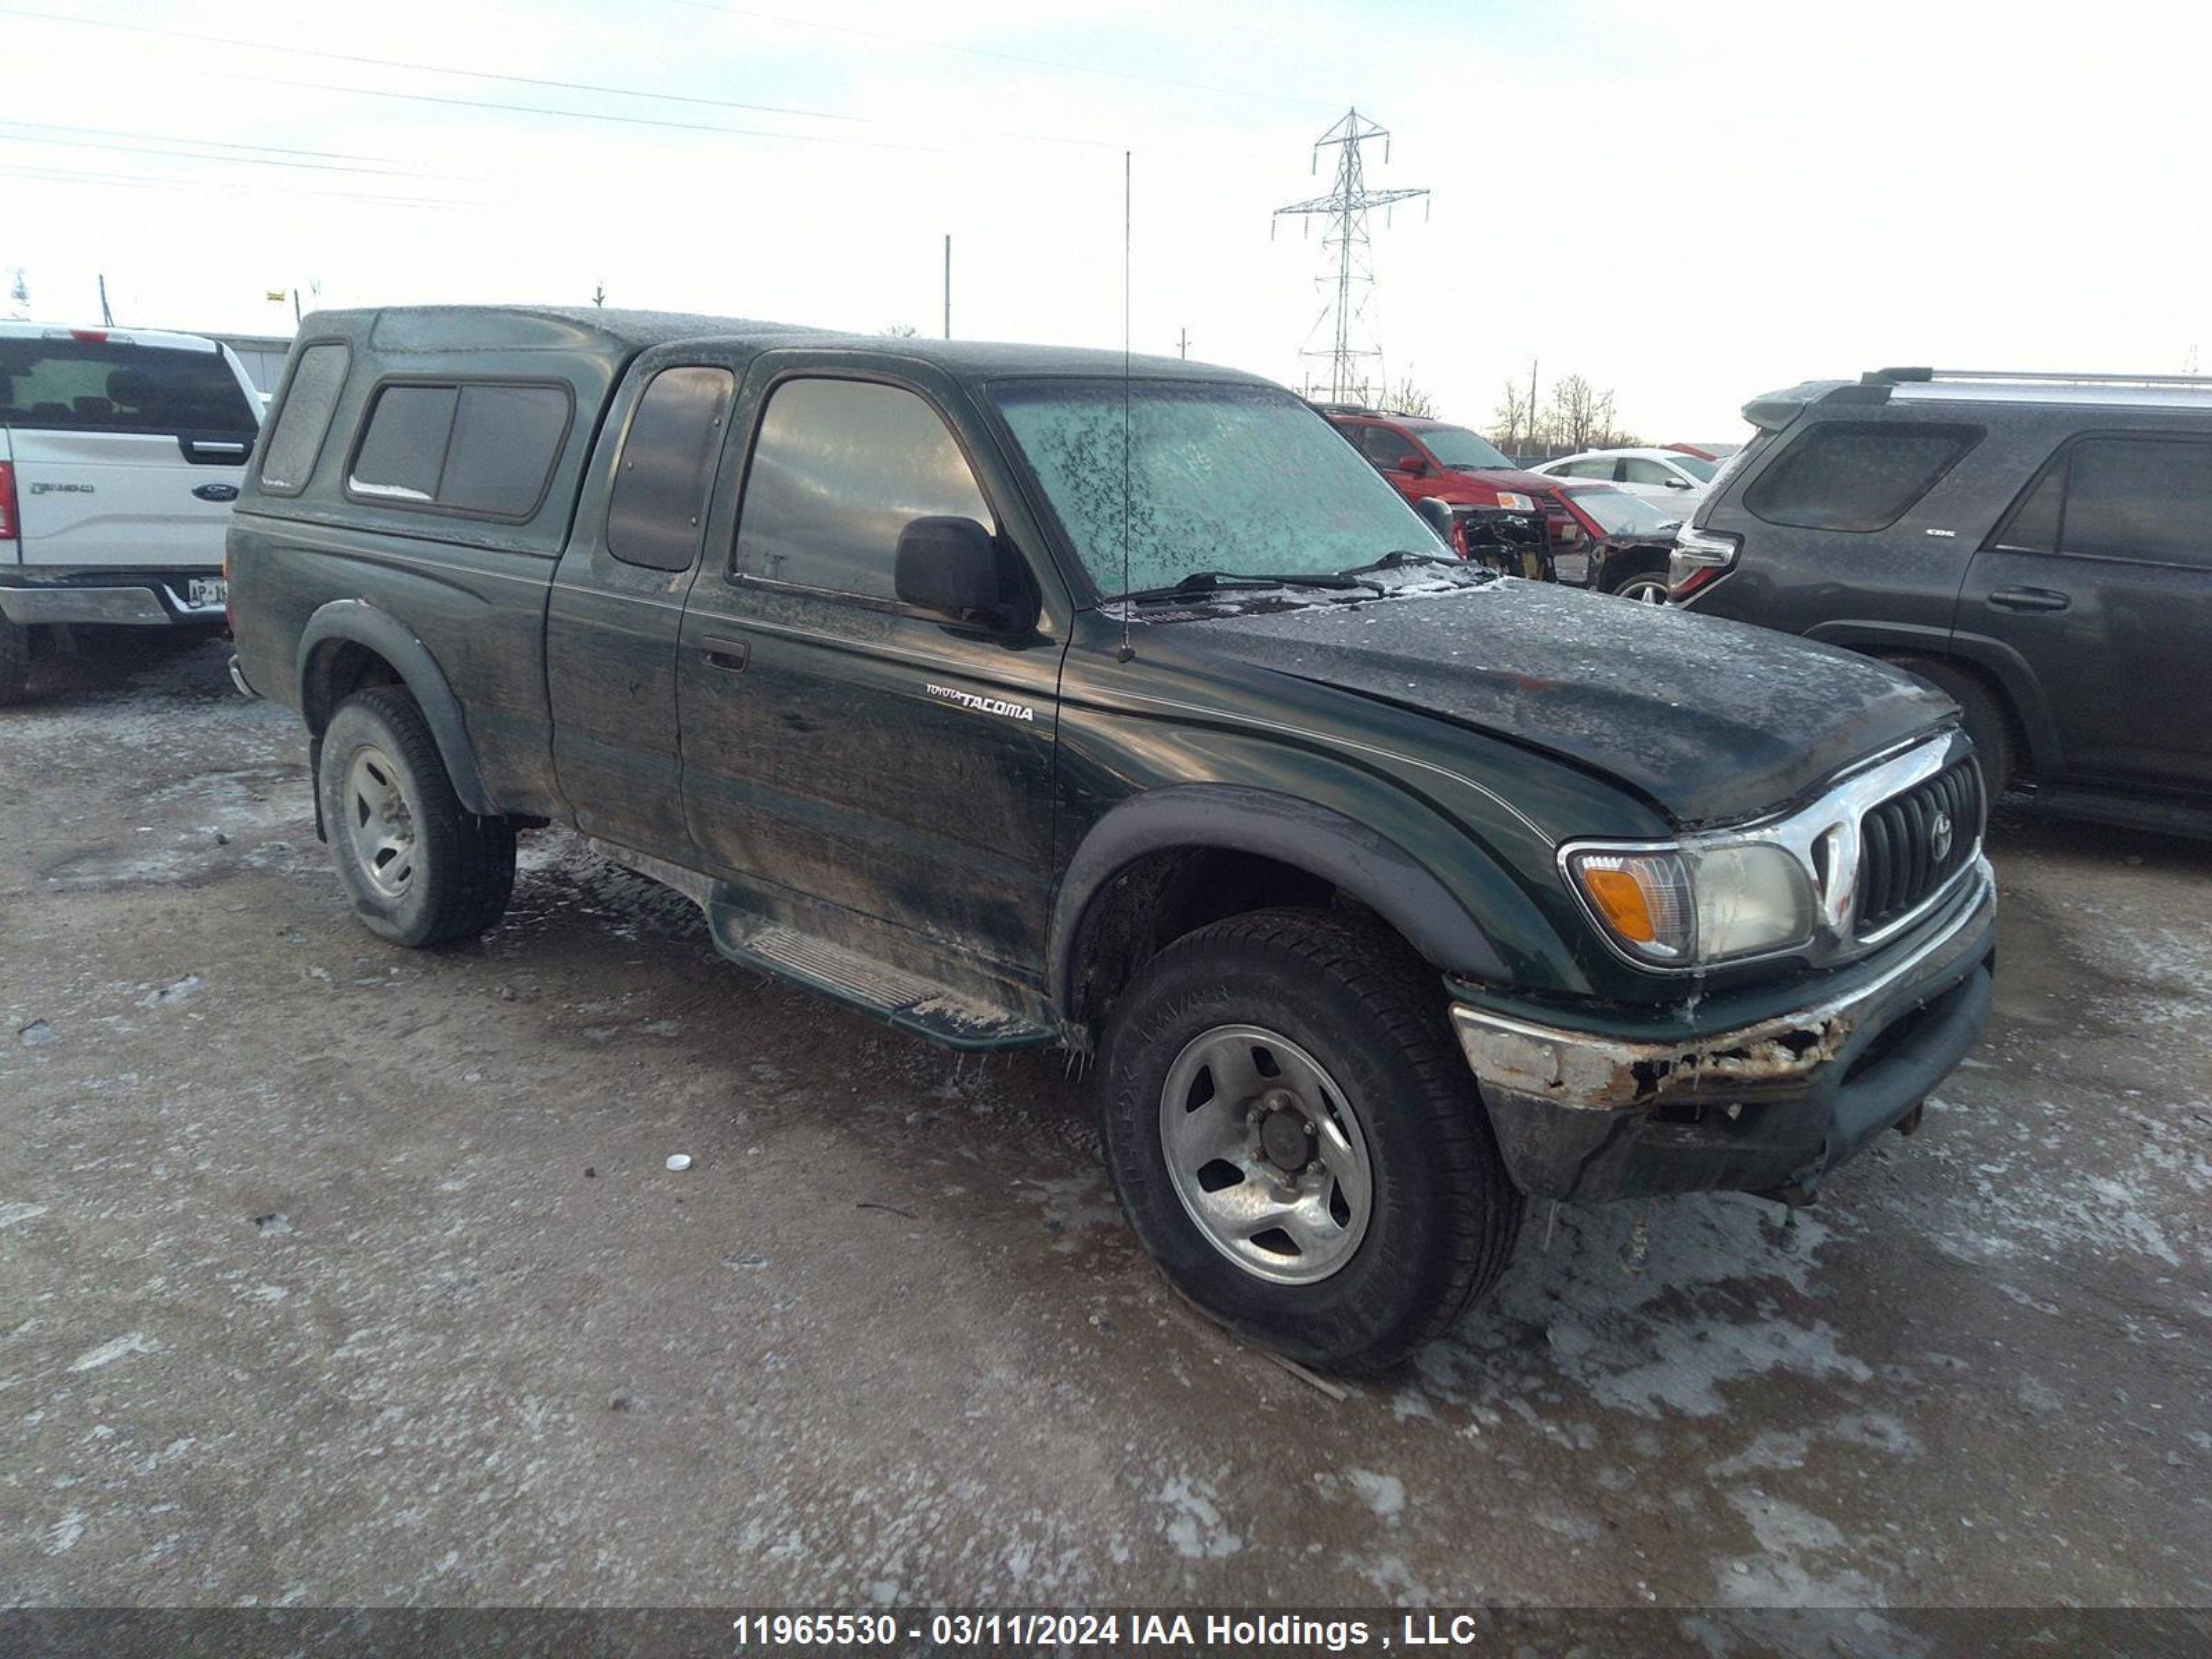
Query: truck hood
[(1454, 483), (1713, 720)]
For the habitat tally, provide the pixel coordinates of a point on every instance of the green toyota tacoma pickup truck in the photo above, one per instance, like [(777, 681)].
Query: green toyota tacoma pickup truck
[(1026, 697)]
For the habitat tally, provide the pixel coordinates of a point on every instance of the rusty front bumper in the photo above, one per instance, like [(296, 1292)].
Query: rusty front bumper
[(1772, 1105)]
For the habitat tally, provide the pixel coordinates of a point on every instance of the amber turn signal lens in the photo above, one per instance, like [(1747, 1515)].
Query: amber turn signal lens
[(1643, 899), (1619, 897)]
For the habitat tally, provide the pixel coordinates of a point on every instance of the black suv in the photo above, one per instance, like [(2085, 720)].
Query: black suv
[(966, 685), (2039, 546)]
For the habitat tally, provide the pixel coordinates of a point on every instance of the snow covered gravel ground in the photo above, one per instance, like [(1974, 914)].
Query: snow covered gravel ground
[(334, 1273)]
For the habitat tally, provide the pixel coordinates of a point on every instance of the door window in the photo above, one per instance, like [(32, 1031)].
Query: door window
[(2139, 498), (839, 469), (1637, 470), (655, 516), (1846, 475), (1385, 445)]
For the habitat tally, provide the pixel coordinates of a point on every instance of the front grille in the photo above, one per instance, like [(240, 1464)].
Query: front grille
[(1913, 843)]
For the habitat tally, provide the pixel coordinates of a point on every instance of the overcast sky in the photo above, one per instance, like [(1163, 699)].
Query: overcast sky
[(1688, 202)]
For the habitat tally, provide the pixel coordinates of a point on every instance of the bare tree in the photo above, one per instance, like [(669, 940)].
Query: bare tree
[(901, 331), (1510, 424), (1407, 399), (1574, 411)]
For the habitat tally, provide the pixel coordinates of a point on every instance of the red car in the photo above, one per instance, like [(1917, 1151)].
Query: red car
[(1422, 457)]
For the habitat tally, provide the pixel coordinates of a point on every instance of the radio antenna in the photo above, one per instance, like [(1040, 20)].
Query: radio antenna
[(1127, 651)]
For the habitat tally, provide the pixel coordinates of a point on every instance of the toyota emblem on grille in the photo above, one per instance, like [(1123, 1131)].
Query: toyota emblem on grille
[(1939, 835)]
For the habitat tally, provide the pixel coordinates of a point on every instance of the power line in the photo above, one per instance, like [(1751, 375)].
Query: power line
[(140, 181), (581, 114), (75, 143), (426, 68), (927, 45), (594, 87), (216, 143)]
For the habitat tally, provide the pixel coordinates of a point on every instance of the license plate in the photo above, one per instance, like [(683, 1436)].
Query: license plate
[(202, 592)]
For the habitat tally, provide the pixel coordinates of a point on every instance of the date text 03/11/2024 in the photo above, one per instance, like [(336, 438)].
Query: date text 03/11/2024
[(1214, 1631)]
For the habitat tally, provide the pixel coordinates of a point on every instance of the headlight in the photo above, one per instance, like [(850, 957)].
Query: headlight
[(1703, 903), (1514, 501)]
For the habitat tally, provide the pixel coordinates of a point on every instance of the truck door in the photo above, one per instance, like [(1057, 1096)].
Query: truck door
[(613, 621), (836, 745), (2101, 579), (127, 454)]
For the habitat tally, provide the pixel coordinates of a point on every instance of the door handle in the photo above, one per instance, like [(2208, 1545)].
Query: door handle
[(730, 656), (2029, 598)]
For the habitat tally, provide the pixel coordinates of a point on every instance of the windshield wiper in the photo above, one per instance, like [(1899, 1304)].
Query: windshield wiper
[(1399, 556), (1208, 581)]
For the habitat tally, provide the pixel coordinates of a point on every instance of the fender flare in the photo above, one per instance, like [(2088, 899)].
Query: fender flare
[(357, 621), (2012, 674), (1228, 817)]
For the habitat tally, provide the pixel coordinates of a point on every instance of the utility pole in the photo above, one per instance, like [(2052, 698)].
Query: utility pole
[(599, 294), (1345, 209), (1183, 342), (948, 284), (1532, 402)]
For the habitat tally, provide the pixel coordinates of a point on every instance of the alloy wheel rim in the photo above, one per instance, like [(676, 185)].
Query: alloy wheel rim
[(1266, 1154), (379, 822)]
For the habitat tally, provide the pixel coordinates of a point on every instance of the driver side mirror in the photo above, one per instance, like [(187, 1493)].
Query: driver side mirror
[(1675, 483), (1412, 464), (956, 570), (1437, 513)]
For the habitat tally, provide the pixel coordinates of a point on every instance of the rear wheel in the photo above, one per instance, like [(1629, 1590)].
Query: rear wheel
[(422, 869), (1646, 587), (15, 661), (1297, 1139), (1981, 713)]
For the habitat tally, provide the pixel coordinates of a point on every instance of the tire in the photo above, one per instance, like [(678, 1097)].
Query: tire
[(420, 868), (1344, 1006), (1984, 716), (1644, 588), (14, 661)]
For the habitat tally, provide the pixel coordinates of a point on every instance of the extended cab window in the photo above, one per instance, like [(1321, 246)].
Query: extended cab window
[(476, 447), (655, 515), (1845, 474), (305, 420), (72, 385), (839, 469)]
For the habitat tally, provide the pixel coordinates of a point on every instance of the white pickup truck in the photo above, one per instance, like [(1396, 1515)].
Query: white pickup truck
[(121, 451)]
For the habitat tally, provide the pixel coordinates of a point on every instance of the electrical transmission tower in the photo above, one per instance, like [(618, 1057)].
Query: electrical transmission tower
[(1345, 209)]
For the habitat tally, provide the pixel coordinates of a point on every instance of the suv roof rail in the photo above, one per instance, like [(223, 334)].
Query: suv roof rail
[(2027, 377), (1367, 408)]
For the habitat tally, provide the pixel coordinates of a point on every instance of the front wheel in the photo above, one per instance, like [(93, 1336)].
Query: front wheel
[(1297, 1139), (422, 869)]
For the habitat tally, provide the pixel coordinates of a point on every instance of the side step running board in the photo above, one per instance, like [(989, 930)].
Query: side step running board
[(907, 1000)]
